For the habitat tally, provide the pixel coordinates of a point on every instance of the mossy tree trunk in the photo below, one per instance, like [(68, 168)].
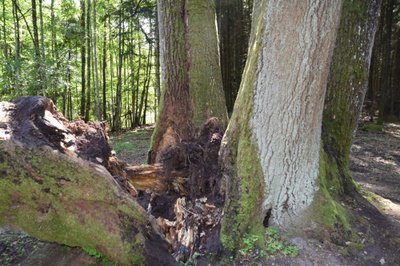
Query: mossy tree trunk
[(191, 82), (270, 151), (347, 86)]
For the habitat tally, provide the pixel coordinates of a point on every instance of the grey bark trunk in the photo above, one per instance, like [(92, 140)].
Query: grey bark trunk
[(270, 151)]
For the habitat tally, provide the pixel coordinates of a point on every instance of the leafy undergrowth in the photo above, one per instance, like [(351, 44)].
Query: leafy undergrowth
[(274, 244), (132, 146)]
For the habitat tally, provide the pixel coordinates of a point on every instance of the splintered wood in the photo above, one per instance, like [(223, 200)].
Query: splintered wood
[(154, 177), (195, 221)]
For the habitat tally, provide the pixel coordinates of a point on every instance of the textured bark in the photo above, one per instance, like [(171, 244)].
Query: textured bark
[(270, 151), (83, 59), (190, 74), (348, 82)]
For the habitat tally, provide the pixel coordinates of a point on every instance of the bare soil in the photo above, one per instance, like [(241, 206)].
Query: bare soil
[(375, 165)]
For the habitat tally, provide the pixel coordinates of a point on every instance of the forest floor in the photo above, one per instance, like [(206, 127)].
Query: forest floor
[(375, 165)]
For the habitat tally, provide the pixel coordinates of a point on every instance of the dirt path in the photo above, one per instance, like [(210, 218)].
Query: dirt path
[(375, 165)]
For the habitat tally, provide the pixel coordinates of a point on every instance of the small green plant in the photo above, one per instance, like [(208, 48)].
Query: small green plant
[(93, 252), (248, 244), (274, 244), (372, 127), (191, 261)]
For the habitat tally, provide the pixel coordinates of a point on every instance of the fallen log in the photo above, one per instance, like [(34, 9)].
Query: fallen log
[(54, 185)]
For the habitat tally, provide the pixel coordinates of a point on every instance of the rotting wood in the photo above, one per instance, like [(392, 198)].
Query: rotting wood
[(154, 177), (182, 191)]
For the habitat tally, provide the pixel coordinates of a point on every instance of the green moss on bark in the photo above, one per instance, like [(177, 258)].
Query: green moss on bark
[(243, 177), (204, 68), (329, 211), (56, 198)]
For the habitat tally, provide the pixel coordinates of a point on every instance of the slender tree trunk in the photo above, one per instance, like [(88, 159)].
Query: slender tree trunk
[(17, 47), (42, 51), (157, 87), (39, 86), (387, 77), (89, 57), (118, 97), (111, 73), (83, 59), (104, 71), (138, 68), (270, 151), (5, 53), (97, 109)]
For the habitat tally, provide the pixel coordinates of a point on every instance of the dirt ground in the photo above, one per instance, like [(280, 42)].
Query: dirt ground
[(375, 165)]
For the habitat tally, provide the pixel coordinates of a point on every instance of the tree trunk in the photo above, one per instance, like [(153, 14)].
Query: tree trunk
[(17, 46), (38, 87), (118, 97), (190, 73), (89, 58), (233, 26), (97, 109), (104, 70), (83, 59), (270, 151), (347, 85), (42, 51), (157, 87), (387, 59)]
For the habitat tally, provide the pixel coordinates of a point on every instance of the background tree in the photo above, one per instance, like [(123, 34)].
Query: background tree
[(347, 86), (383, 95), (234, 22)]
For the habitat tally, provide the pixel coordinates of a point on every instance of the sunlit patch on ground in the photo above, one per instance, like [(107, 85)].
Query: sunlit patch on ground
[(375, 164)]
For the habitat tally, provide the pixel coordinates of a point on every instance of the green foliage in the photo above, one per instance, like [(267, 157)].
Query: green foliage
[(56, 73), (275, 244), (248, 243), (93, 252), (251, 248), (191, 261), (372, 127)]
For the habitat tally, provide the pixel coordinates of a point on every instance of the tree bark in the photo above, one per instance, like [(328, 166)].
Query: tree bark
[(38, 87), (270, 151), (97, 109), (118, 97), (190, 73), (348, 84), (83, 59), (88, 61)]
